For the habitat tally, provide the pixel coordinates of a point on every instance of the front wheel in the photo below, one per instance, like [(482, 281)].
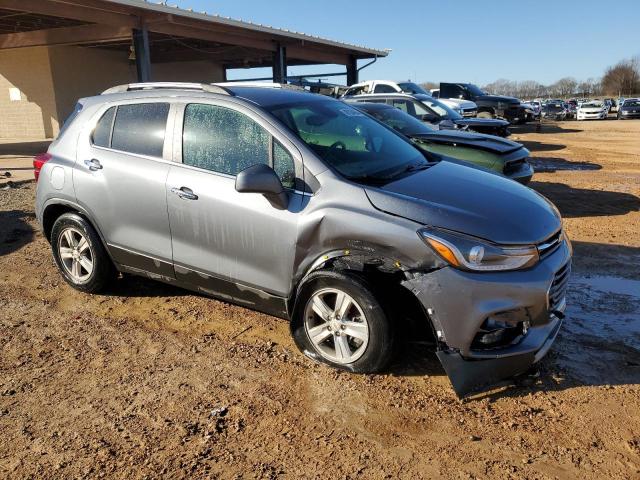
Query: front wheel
[(339, 321), (79, 254)]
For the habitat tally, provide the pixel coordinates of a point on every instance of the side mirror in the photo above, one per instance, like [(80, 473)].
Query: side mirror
[(261, 178)]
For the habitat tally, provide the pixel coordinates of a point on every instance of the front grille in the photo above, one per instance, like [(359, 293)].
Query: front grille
[(550, 244), (558, 288)]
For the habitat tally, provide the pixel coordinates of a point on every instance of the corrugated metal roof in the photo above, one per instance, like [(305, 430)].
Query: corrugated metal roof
[(163, 7)]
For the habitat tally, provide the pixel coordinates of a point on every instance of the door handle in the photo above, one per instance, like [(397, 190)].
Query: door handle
[(93, 164), (185, 193)]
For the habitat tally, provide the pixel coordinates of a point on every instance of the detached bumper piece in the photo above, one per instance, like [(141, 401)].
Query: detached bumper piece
[(484, 369)]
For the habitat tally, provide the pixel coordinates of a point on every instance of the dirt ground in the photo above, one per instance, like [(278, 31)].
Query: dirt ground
[(150, 381)]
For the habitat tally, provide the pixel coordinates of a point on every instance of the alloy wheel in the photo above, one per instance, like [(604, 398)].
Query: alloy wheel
[(75, 254), (336, 325)]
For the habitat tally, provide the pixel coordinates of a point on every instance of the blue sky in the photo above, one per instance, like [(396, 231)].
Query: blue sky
[(459, 40)]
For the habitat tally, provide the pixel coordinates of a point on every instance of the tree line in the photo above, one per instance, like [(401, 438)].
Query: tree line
[(621, 79)]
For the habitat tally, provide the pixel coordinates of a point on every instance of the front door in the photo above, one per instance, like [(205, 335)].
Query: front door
[(230, 244), (120, 181)]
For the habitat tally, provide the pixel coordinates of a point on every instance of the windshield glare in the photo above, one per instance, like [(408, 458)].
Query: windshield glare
[(400, 121), (354, 144), (410, 87), (440, 108)]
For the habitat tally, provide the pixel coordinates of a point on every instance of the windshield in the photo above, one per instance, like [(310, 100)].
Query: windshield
[(410, 87), (440, 108), (398, 120), (631, 103), (592, 105), (475, 90), (354, 144)]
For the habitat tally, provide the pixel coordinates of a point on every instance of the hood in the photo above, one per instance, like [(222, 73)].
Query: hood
[(459, 102), (483, 122), (489, 143), (499, 98), (469, 200)]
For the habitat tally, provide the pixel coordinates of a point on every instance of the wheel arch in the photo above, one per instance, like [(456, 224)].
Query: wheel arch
[(385, 273), (54, 209)]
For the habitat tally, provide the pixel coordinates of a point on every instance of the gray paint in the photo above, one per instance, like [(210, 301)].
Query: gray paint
[(238, 247)]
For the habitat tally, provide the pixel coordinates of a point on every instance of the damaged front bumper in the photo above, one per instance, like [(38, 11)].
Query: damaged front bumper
[(466, 310)]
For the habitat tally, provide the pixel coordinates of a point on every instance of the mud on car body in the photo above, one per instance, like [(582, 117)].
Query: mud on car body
[(305, 208)]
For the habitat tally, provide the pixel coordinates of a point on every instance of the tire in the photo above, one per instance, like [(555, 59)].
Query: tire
[(370, 351), (484, 114), (71, 252)]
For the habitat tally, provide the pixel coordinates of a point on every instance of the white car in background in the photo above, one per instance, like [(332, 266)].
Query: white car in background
[(594, 110), (456, 103), (465, 108)]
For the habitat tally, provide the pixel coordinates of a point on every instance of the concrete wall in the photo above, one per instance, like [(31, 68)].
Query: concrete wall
[(51, 79)]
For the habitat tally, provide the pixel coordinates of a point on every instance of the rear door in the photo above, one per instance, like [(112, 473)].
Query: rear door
[(120, 178), (231, 244)]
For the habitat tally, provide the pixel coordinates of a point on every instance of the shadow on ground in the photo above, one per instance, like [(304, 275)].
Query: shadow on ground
[(582, 202), (553, 164), (543, 127), (15, 232), (534, 146)]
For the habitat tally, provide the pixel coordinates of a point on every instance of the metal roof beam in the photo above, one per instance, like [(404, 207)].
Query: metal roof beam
[(64, 36)]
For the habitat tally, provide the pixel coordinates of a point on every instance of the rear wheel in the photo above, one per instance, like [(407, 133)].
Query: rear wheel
[(339, 321), (79, 254)]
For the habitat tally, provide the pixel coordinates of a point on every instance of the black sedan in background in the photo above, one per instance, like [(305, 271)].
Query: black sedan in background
[(430, 110), (554, 111), (629, 109)]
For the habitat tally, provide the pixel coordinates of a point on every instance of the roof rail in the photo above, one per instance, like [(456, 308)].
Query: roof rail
[(249, 83), (203, 87)]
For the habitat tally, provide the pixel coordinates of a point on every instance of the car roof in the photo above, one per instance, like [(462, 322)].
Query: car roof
[(266, 97), (261, 96)]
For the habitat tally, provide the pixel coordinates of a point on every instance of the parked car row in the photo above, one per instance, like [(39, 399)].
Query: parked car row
[(583, 109), (358, 221)]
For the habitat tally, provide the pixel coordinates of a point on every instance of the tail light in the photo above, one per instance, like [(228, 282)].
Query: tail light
[(38, 161)]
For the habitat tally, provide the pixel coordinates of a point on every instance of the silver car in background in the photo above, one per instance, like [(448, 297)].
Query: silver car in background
[(303, 207)]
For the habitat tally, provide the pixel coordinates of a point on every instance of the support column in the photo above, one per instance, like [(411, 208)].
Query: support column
[(352, 71), (280, 65), (142, 53)]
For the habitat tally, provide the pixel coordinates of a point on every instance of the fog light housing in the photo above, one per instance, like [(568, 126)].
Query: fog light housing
[(502, 329)]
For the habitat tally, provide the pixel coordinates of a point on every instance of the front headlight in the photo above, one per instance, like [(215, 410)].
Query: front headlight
[(470, 253)]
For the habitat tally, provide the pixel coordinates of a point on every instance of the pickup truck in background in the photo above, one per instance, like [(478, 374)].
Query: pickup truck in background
[(489, 106), (466, 108)]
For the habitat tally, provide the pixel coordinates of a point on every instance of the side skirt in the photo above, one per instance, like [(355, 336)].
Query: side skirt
[(221, 289)]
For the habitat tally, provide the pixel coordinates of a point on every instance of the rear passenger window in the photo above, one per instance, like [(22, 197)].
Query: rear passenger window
[(226, 141), (140, 128), (102, 134)]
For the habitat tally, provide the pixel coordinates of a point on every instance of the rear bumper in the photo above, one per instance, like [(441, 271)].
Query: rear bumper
[(458, 303)]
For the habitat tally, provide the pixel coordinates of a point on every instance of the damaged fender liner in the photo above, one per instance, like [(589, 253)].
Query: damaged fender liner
[(470, 375)]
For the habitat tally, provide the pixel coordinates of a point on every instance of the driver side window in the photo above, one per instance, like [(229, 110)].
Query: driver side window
[(225, 141)]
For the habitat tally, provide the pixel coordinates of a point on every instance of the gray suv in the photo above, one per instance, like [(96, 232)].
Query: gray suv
[(308, 209)]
